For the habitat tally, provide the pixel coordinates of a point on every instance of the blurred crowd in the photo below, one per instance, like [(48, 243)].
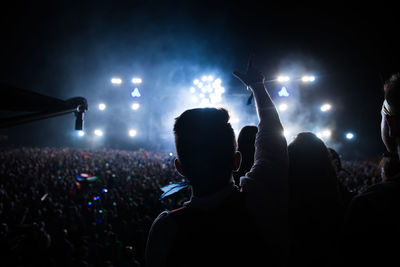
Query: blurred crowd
[(48, 218)]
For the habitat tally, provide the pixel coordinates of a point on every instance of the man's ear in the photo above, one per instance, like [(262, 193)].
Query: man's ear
[(392, 123), (178, 167), (237, 159)]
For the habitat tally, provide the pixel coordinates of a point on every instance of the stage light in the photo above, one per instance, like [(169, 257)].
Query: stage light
[(349, 136), (102, 106), (325, 107), (135, 93), (116, 81), (308, 78), (209, 91), (132, 132), (286, 134), (283, 107), (81, 133), (171, 154), (98, 132), (283, 78), (136, 80), (283, 92), (135, 106), (326, 133)]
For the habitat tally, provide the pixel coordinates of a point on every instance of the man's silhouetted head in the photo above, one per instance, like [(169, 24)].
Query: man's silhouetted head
[(390, 130), (205, 145)]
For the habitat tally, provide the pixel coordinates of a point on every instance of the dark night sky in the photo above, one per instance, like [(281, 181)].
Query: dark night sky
[(58, 49)]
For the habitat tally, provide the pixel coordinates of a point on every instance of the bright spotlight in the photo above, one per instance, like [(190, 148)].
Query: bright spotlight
[(98, 132), (308, 78), (135, 106), (283, 107), (207, 90), (326, 133), (81, 133), (286, 133), (102, 106), (283, 79), (136, 80), (135, 93), (349, 136), (283, 92), (325, 107), (132, 132), (116, 81)]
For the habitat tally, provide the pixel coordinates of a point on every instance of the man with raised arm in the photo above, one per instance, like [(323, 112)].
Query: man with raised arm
[(222, 224)]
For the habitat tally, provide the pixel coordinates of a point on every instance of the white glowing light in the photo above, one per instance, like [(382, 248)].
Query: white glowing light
[(132, 132), (98, 132), (326, 133), (136, 93), (283, 107), (102, 106), (116, 81), (286, 133), (81, 133), (171, 154), (325, 107), (308, 79), (283, 78), (349, 136), (283, 92), (209, 91), (136, 80), (135, 106)]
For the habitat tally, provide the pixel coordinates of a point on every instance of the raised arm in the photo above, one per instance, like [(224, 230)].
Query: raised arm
[(270, 159), (266, 184)]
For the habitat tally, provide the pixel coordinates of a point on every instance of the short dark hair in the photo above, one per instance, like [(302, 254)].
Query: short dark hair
[(392, 92), (205, 145)]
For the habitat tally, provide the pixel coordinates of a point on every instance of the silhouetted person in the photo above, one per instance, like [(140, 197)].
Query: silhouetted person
[(315, 210), (345, 194), (372, 225), (222, 225), (246, 140)]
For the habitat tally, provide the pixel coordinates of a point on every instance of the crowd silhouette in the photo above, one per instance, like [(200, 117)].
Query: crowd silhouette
[(252, 201)]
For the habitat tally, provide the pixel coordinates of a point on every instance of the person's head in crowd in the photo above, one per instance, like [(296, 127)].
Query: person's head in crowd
[(336, 161), (246, 140), (311, 172), (390, 123), (206, 149), (389, 167)]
